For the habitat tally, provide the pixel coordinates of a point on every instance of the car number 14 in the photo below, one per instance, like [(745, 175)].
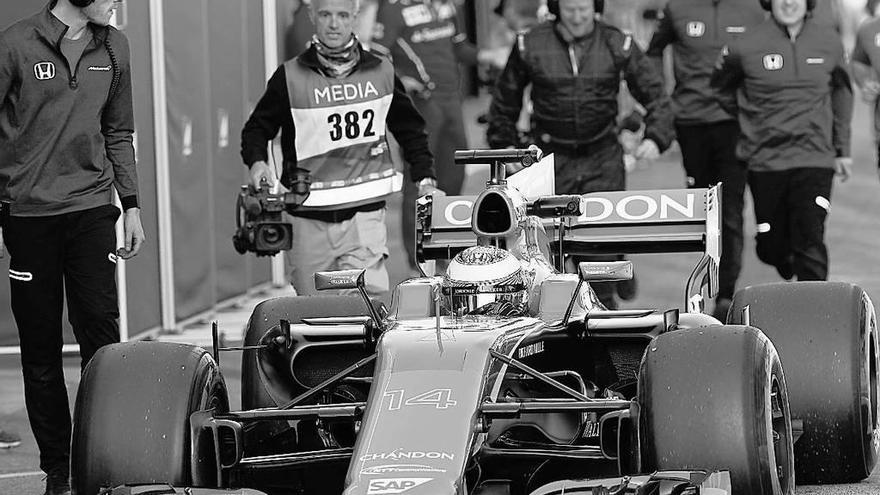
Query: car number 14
[(440, 398)]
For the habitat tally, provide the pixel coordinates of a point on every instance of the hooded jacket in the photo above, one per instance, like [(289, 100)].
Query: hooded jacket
[(65, 132), (794, 96)]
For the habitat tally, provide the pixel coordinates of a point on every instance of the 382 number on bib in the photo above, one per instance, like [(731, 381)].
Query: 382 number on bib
[(350, 125)]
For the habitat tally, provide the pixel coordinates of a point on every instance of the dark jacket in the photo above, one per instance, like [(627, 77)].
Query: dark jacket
[(697, 31), (575, 98), (64, 139), (794, 96), (272, 113)]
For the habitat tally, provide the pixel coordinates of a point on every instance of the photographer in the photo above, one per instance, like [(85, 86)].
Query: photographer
[(332, 104), (66, 126)]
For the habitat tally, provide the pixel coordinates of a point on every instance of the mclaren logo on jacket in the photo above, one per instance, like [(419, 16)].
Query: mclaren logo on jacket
[(44, 71), (773, 61)]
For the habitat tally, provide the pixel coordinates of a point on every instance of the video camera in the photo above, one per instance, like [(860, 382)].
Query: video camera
[(259, 221)]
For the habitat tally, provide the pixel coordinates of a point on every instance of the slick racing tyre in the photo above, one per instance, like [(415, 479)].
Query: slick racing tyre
[(268, 314), (715, 398), (131, 420), (826, 335)]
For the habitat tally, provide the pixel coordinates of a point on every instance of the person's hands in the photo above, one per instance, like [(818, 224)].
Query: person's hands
[(259, 171), (843, 167), (133, 232), (870, 90), (647, 150), (428, 186), (412, 85)]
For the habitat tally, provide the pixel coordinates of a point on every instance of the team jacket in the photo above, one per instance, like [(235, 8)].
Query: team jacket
[(575, 99), (794, 96), (335, 128), (426, 42), (867, 51), (698, 30), (64, 139)]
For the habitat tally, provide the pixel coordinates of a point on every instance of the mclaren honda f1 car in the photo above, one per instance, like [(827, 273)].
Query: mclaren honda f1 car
[(505, 375)]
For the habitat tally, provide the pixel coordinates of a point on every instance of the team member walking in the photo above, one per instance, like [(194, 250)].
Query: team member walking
[(795, 104), (333, 104), (66, 128), (697, 30), (575, 65)]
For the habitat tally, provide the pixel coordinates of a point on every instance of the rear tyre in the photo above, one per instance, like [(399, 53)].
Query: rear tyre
[(826, 335), (131, 420), (716, 398)]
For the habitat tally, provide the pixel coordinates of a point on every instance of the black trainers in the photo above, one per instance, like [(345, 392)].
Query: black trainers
[(9, 440), (57, 483)]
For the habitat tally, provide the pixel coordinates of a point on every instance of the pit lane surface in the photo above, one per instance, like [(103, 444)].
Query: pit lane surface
[(853, 236)]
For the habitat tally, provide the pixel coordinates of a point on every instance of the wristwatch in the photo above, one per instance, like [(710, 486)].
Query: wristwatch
[(427, 182)]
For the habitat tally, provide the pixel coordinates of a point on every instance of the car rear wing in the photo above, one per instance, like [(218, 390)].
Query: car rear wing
[(619, 222)]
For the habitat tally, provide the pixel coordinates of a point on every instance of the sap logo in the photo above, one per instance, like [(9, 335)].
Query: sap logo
[(44, 71), (345, 92), (391, 486), (459, 212), (773, 61), (695, 29), (638, 207)]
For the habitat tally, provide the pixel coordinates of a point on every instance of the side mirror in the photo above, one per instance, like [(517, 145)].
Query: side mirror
[(605, 271), (348, 280)]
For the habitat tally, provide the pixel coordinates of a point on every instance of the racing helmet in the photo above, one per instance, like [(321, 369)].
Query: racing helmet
[(485, 280)]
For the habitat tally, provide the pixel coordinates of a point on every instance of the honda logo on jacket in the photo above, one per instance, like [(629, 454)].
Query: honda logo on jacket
[(695, 29), (44, 70), (773, 61)]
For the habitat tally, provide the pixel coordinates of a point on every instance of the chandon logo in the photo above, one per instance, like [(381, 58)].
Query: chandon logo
[(638, 207)]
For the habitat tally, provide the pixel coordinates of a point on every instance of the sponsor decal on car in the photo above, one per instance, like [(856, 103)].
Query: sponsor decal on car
[(401, 468), (399, 454), (530, 350), (391, 486), (639, 207)]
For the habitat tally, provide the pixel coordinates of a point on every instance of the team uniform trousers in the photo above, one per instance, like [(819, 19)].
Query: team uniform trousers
[(790, 211), (69, 254), (585, 169), (445, 127), (709, 156), (359, 242)]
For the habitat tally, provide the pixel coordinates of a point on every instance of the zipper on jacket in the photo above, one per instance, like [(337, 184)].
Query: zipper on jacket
[(715, 20), (573, 59), (794, 54)]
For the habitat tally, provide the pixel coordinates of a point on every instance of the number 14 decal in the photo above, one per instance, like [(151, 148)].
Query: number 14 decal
[(441, 398)]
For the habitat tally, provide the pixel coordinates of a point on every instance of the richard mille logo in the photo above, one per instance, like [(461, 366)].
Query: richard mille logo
[(44, 71)]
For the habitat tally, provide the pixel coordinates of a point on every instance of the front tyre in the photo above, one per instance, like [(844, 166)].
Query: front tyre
[(131, 420), (716, 398)]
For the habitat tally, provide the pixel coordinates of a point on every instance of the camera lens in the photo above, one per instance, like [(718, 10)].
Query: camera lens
[(271, 234)]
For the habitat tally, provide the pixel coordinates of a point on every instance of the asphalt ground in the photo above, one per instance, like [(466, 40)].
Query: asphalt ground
[(853, 236)]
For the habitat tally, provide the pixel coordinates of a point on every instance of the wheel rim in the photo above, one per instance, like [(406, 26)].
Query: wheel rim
[(782, 442)]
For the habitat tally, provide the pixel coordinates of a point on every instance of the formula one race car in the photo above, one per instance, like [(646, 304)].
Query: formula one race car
[(505, 375)]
